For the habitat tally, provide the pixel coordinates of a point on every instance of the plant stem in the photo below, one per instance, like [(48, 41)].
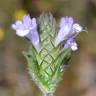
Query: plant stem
[(47, 94)]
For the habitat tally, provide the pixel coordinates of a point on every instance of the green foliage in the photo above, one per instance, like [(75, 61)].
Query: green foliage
[(46, 66)]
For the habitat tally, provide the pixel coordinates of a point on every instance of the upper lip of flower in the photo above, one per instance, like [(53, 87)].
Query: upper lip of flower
[(26, 24)]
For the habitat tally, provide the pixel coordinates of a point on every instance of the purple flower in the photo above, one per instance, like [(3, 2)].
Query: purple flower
[(71, 43), (27, 28), (67, 29)]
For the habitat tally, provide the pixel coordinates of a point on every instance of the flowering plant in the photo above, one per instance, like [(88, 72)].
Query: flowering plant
[(50, 49)]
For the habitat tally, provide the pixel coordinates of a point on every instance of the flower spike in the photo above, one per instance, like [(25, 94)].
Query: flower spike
[(46, 65)]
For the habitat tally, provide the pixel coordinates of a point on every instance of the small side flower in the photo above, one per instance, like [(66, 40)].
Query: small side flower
[(71, 43)]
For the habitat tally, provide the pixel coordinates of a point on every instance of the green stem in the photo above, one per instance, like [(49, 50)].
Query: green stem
[(47, 94)]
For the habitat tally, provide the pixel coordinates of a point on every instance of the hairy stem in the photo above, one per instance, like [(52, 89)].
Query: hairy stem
[(47, 94)]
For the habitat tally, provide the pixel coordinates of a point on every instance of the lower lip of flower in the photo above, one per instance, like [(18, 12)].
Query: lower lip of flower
[(22, 33)]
